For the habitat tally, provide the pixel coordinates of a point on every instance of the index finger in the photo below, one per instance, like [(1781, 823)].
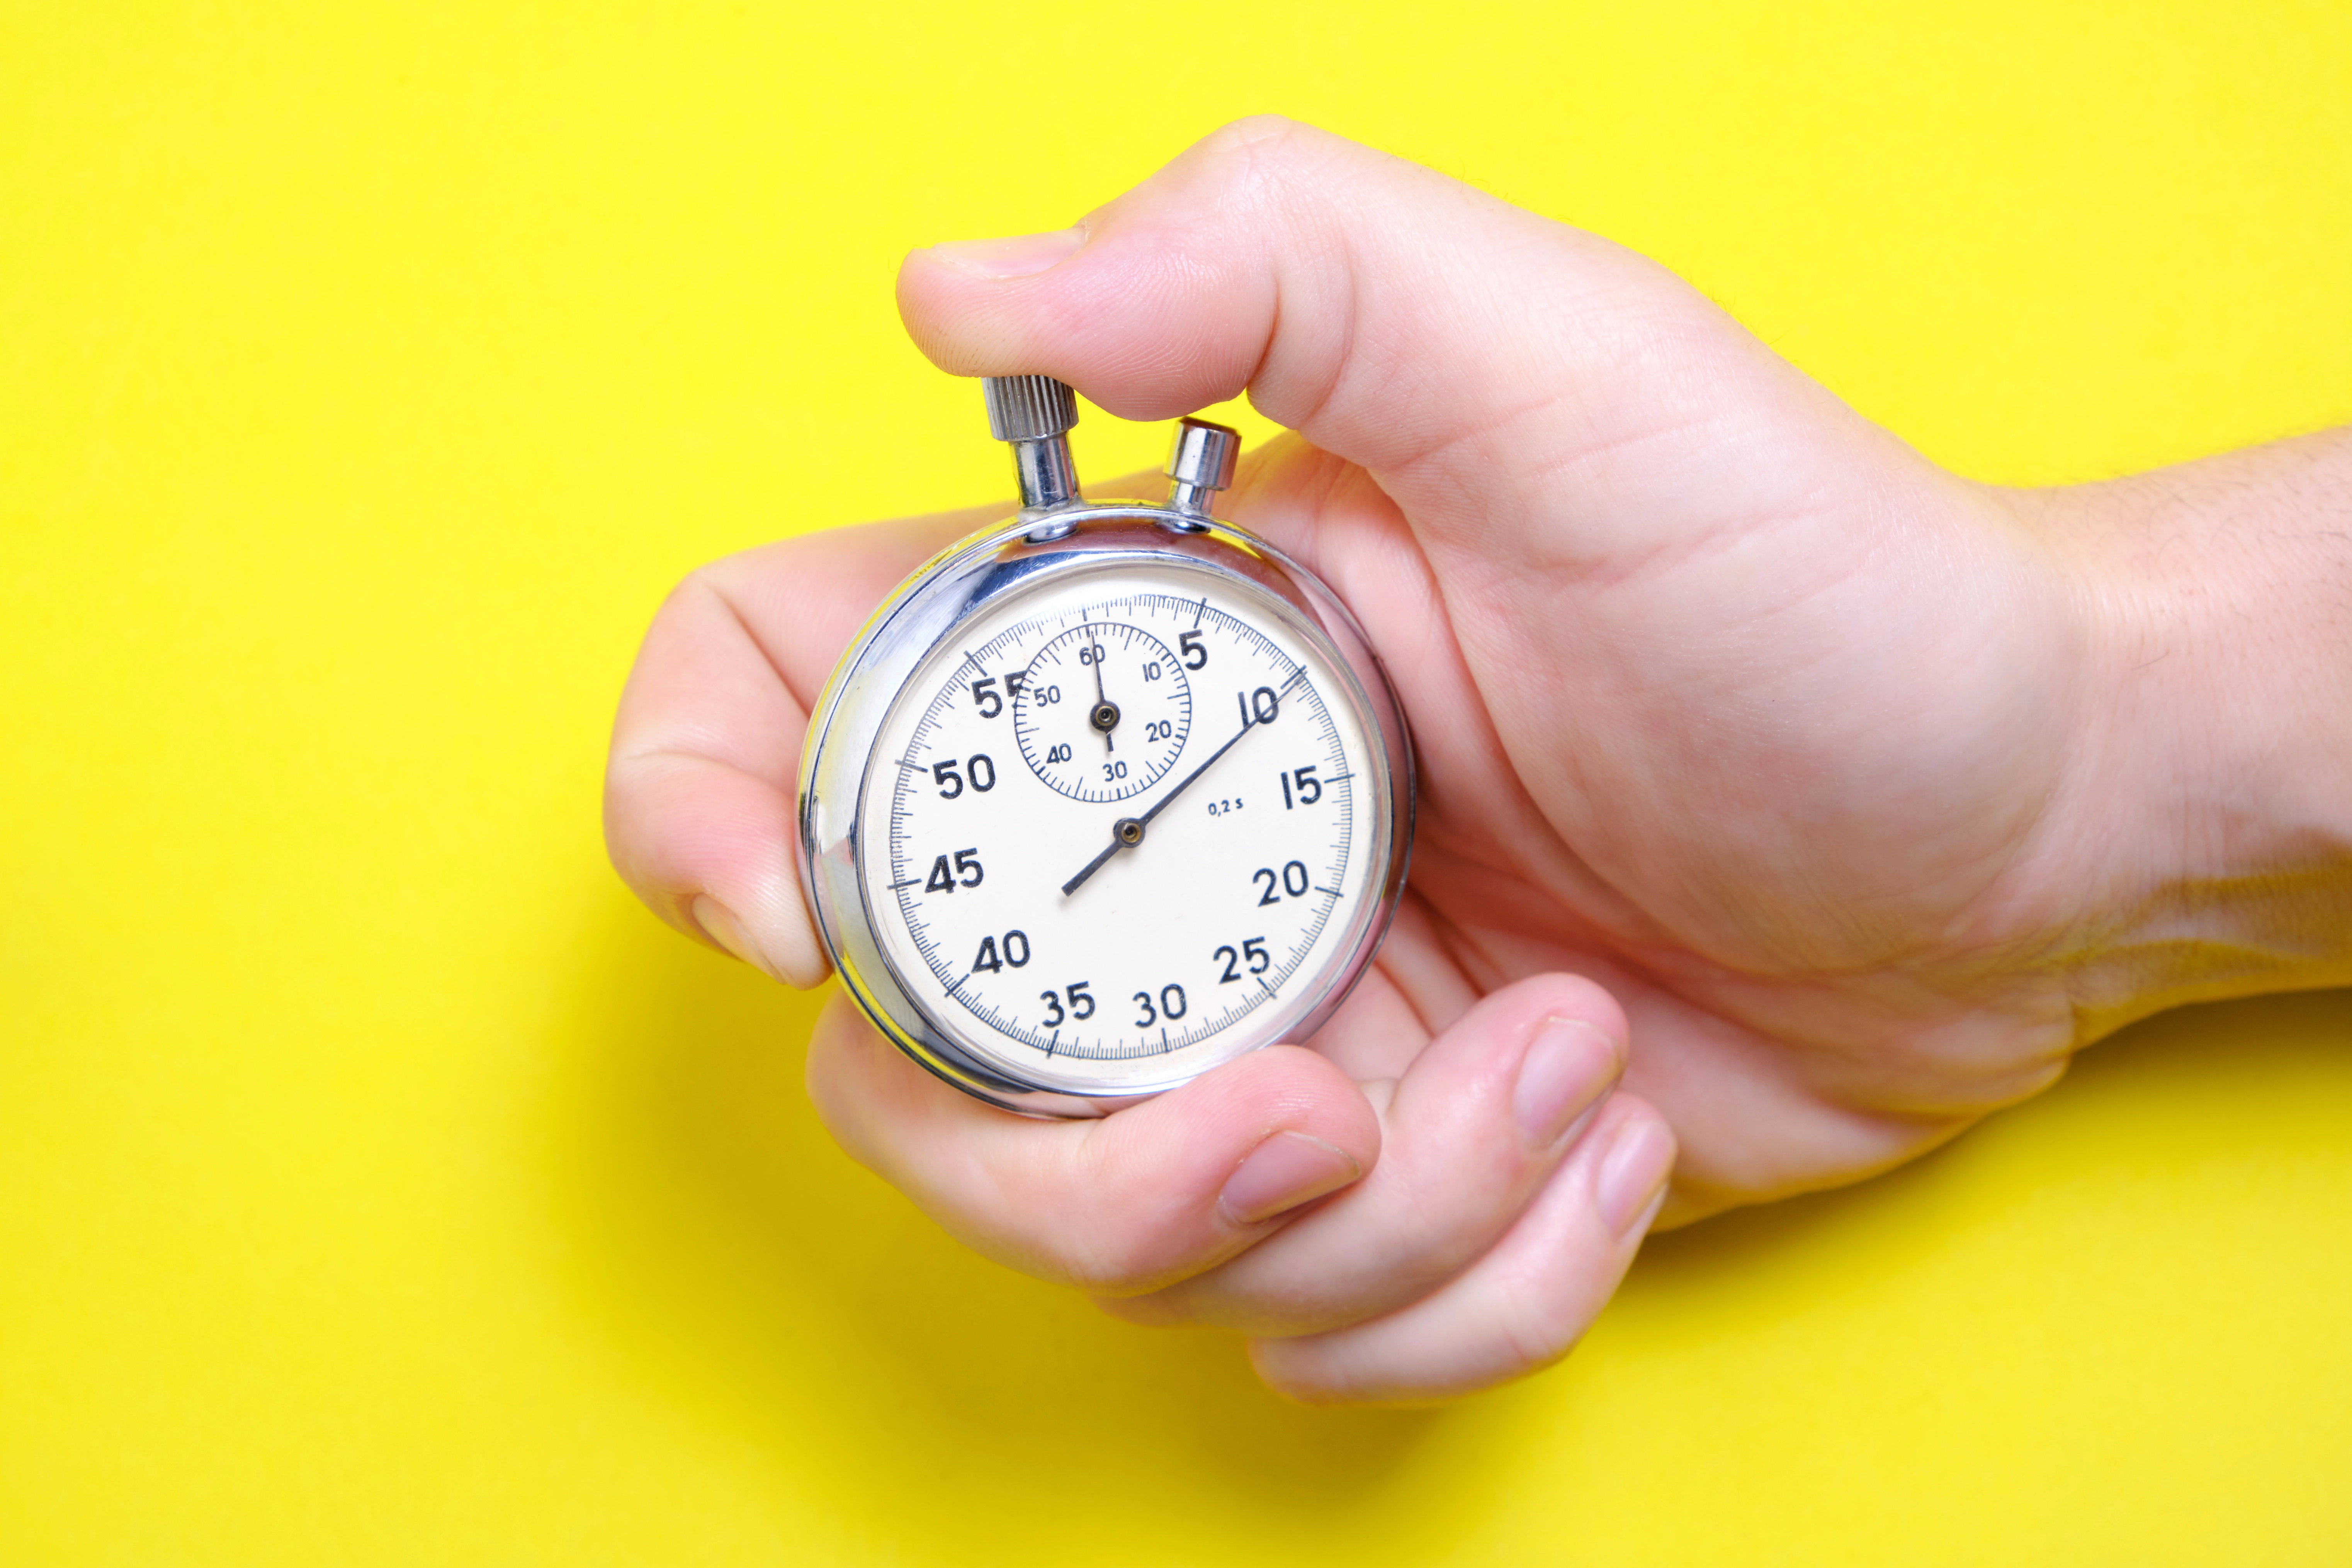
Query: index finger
[(698, 812)]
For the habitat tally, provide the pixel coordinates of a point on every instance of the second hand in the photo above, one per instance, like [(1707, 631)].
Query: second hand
[(1127, 832)]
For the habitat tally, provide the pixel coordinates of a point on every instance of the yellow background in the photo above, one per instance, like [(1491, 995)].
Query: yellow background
[(379, 1184)]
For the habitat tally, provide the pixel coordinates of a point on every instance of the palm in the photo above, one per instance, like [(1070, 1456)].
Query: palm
[(1793, 883)]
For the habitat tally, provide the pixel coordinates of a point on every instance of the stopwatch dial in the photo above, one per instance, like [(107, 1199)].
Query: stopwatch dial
[(1100, 933), (1102, 712)]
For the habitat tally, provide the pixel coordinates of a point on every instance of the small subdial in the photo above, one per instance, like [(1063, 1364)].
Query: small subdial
[(1102, 712)]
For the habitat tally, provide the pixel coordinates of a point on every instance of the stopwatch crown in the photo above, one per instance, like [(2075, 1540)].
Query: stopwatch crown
[(1034, 414), (1028, 407)]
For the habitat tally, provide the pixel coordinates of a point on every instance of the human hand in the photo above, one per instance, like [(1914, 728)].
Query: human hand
[(1747, 735)]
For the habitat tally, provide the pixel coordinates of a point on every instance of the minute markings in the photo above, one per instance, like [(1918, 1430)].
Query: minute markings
[(1240, 651)]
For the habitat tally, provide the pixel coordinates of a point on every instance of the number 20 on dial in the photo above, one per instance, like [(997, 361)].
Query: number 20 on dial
[(1106, 794)]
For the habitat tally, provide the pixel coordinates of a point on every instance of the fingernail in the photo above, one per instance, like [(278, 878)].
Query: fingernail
[(1286, 1170), (722, 928), (1569, 1066), (1634, 1173), (1023, 255)]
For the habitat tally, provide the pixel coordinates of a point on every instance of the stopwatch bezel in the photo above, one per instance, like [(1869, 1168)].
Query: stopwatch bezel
[(962, 580)]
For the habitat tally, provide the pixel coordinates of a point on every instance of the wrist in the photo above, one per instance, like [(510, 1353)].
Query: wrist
[(2217, 606)]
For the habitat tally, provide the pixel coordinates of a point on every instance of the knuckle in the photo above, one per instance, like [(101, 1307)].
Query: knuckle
[(702, 584), (1261, 158), (1118, 1259), (1145, 1309), (727, 580), (1111, 1279), (1253, 129), (1538, 1322), (1115, 1266), (1082, 1228)]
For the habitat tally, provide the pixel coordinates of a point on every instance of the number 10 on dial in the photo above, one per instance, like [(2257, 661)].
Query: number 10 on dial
[(1104, 796)]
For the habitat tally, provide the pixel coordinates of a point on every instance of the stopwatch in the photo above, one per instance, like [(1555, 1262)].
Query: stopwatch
[(1105, 794)]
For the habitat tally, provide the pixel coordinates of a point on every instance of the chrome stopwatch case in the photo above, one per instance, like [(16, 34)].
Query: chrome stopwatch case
[(1105, 796)]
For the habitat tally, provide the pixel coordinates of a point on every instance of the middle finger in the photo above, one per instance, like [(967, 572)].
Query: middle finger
[(1476, 1124)]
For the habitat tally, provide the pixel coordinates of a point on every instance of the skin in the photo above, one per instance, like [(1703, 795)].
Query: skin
[(1788, 804)]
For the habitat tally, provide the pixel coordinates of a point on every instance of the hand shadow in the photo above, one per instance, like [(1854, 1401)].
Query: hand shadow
[(2186, 1099), (768, 1285)]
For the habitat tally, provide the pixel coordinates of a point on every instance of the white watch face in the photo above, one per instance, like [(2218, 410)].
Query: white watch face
[(1124, 826)]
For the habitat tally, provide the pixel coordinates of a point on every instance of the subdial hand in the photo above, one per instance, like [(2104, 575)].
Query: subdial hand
[(1128, 831), (1105, 714)]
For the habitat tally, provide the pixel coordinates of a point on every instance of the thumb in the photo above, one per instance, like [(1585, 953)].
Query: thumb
[(1470, 354)]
